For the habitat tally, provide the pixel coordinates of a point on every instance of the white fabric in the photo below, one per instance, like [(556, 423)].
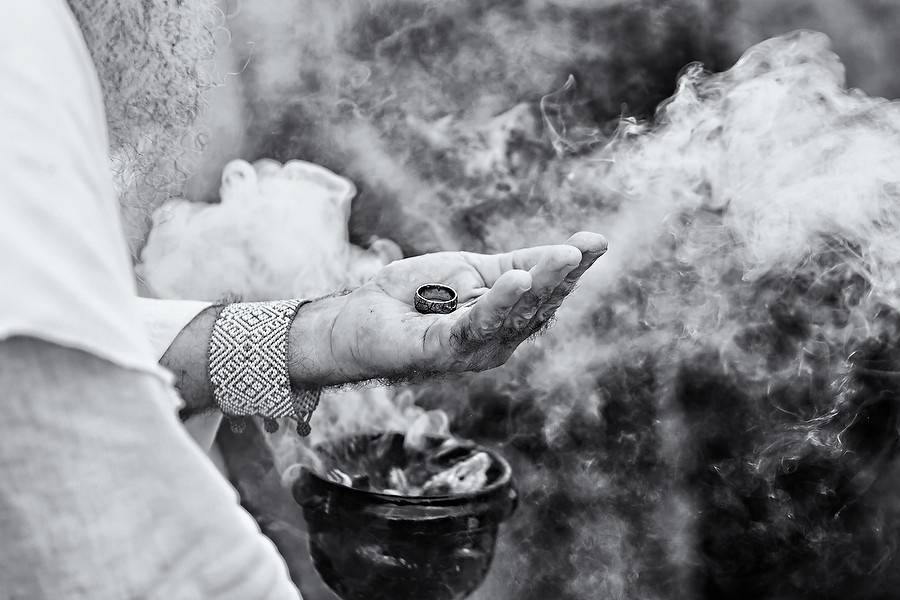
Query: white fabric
[(104, 496), (61, 240), (163, 321), (59, 282)]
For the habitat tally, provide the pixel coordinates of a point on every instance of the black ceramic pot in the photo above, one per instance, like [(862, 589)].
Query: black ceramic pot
[(369, 545)]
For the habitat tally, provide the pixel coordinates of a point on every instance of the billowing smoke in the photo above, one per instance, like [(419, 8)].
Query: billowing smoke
[(279, 231), (399, 95), (717, 408), (715, 412)]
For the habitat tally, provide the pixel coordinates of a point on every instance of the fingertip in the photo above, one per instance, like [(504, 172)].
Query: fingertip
[(490, 311), (570, 256), (589, 242), (516, 279), (558, 258)]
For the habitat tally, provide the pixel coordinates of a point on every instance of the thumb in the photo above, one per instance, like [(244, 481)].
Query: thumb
[(490, 310)]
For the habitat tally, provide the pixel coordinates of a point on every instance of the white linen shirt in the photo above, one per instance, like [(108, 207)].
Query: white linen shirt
[(65, 273), (66, 278)]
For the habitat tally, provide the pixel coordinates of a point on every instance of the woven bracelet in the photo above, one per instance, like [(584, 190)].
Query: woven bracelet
[(248, 365)]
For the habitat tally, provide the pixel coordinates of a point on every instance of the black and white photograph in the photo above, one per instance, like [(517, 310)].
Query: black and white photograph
[(450, 300)]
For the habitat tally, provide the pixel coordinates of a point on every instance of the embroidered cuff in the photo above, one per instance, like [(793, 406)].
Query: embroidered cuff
[(248, 364)]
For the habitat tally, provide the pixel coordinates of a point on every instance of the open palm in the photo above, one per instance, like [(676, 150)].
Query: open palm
[(504, 299)]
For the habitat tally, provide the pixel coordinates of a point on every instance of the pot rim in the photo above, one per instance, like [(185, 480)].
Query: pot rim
[(502, 481)]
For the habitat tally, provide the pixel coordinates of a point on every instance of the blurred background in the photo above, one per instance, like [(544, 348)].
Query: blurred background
[(360, 86)]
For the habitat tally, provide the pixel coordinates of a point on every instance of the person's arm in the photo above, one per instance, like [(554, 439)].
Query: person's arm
[(187, 358), (164, 321), (374, 332)]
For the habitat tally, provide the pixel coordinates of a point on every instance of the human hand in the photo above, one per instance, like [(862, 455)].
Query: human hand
[(375, 331)]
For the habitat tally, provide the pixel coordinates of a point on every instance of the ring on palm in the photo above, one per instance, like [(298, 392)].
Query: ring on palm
[(435, 298)]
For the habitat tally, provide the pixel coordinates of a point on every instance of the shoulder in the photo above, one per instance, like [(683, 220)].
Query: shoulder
[(52, 119), (46, 69)]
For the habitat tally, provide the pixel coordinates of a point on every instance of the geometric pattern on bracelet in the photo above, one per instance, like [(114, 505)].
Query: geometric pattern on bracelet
[(248, 360)]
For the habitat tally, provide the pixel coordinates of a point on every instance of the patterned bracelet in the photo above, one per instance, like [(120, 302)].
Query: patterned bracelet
[(248, 365)]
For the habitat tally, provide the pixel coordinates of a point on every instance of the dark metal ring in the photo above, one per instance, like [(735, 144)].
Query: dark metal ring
[(435, 298)]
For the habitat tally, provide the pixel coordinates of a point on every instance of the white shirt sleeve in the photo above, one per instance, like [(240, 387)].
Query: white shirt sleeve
[(65, 273), (163, 320)]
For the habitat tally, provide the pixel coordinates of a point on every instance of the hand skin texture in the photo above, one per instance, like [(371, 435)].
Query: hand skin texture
[(374, 332)]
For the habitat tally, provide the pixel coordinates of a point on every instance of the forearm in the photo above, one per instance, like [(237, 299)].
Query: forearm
[(310, 356), (187, 358)]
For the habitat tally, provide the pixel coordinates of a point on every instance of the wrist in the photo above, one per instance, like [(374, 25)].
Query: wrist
[(312, 357)]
